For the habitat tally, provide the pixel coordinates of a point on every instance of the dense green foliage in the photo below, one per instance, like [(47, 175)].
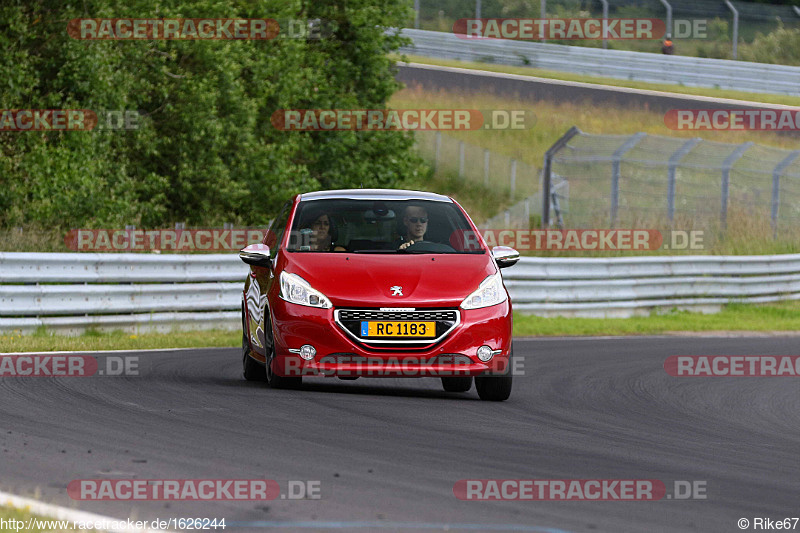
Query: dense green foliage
[(205, 151)]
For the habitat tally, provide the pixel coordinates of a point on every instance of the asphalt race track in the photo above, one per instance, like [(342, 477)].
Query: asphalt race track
[(388, 452), (550, 90)]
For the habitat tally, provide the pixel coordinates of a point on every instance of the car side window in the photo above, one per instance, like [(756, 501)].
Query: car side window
[(277, 229)]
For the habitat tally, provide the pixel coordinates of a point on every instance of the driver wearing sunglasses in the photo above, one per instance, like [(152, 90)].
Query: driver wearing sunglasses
[(415, 221)]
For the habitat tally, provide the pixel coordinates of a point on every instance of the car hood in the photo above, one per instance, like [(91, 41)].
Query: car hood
[(366, 280)]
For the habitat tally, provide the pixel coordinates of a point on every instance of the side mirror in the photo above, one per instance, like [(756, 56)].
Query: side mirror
[(256, 255), (505, 256)]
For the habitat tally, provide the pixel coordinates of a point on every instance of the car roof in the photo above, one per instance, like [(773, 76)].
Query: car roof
[(374, 194)]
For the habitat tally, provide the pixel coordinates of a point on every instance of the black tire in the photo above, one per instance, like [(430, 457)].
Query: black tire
[(274, 380), (252, 369), (496, 388), (457, 384)]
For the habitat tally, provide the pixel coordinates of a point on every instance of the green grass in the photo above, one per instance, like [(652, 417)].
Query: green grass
[(9, 513), (566, 76), (778, 317), (45, 341)]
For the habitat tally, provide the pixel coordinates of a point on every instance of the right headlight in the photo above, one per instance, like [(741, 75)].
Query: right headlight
[(297, 290), (490, 292)]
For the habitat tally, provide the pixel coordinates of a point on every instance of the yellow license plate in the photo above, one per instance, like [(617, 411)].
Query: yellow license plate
[(398, 329)]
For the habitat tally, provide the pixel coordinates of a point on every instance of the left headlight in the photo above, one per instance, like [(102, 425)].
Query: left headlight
[(297, 290), (490, 292)]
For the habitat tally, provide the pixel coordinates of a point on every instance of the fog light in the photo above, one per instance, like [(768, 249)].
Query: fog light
[(485, 353), (307, 352)]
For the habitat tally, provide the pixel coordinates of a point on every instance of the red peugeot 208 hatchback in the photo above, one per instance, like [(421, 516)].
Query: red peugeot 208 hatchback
[(377, 283)]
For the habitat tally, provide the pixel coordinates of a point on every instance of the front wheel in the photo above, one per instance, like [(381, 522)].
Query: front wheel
[(274, 380), (251, 369), (457, 384), (493, 388), (496, 388)]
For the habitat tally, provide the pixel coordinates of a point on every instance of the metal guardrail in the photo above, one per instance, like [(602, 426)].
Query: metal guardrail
[(69, 293), (628, 286), (620, 64), (51, 289)]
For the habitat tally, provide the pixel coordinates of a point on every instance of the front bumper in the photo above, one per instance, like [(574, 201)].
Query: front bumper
[(339, 354)]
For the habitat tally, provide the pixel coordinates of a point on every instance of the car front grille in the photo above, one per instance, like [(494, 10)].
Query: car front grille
[(445, 321)]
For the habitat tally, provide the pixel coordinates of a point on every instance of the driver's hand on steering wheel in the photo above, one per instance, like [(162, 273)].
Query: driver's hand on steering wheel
[(406, 245)]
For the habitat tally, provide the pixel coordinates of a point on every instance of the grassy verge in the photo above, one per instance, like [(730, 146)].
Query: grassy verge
[(49, 525), (777, 317), (44, 341), (566, 76), (553, 120)]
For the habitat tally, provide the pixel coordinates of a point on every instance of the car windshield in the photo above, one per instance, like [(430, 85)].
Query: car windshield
[(382, 227)]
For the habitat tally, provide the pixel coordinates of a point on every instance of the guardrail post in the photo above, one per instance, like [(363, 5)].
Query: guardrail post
[(669, 16), (616, 159), (674, 159), (735, 25), (485, 167), (547, 172), (605, 16), (460, 159), (513, 181), (776, 187), (438, 149), (726, 178)]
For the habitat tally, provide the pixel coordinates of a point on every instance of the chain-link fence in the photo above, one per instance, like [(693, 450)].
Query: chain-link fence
[(630, 180), (478, 166)]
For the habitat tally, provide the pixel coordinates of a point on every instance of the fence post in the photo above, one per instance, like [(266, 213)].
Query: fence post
[(438, 148), (416, 14), (735, 25), (485, 167), (669, 16), (674, 159), (616, 159), (726, 179), (477, 9), (605, 29), (776, 188), (513, 182), (460, 159), (547, 172)]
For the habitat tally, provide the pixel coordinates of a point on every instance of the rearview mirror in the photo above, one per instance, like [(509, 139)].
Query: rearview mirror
[(505, 256), (256, 255)]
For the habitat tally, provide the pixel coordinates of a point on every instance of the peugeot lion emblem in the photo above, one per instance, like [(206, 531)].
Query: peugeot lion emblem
[(397, 290)]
